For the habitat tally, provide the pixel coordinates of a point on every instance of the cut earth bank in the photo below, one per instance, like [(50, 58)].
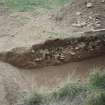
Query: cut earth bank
[(57, 51), (25, 77)]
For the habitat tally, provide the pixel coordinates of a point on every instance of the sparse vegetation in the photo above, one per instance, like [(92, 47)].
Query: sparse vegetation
[(74, 93), (96, 98), (24, 5), (97, 80)]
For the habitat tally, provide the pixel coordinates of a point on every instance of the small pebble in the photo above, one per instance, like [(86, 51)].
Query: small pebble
[(102, 1), (89, 5), (38, 59), (78, 13)]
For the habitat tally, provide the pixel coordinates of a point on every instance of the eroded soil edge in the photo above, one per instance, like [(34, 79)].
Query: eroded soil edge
[(57, 51)]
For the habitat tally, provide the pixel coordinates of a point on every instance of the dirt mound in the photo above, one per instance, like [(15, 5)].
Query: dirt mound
[(82, 15)]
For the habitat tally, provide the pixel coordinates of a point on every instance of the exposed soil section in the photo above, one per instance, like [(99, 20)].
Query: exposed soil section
[(16, 83), (58, 51)]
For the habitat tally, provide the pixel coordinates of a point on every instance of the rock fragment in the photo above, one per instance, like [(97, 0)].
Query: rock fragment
[(72, 52), (38, 60), (102, 1), (81, 45), (78, 13), (79, 24), (61, 57), (89, 5)]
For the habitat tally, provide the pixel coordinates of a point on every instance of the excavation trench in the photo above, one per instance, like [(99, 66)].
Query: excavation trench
[(58, 51), (35, 67)]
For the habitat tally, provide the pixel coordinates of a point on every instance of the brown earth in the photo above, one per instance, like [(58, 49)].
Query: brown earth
[(16, 83), (20, 30)]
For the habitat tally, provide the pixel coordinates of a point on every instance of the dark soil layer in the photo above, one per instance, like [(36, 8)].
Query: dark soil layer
[(58, 51)]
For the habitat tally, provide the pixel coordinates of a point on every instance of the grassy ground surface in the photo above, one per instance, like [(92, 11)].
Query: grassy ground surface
[(75, 93), (23, 5)]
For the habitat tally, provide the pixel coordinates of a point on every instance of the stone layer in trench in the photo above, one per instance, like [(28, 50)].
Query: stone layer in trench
[(57, 51)]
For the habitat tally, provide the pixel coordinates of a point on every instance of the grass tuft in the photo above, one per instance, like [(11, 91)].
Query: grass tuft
[(97, 80), (35, 99), (96, 98), (90, 93)]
